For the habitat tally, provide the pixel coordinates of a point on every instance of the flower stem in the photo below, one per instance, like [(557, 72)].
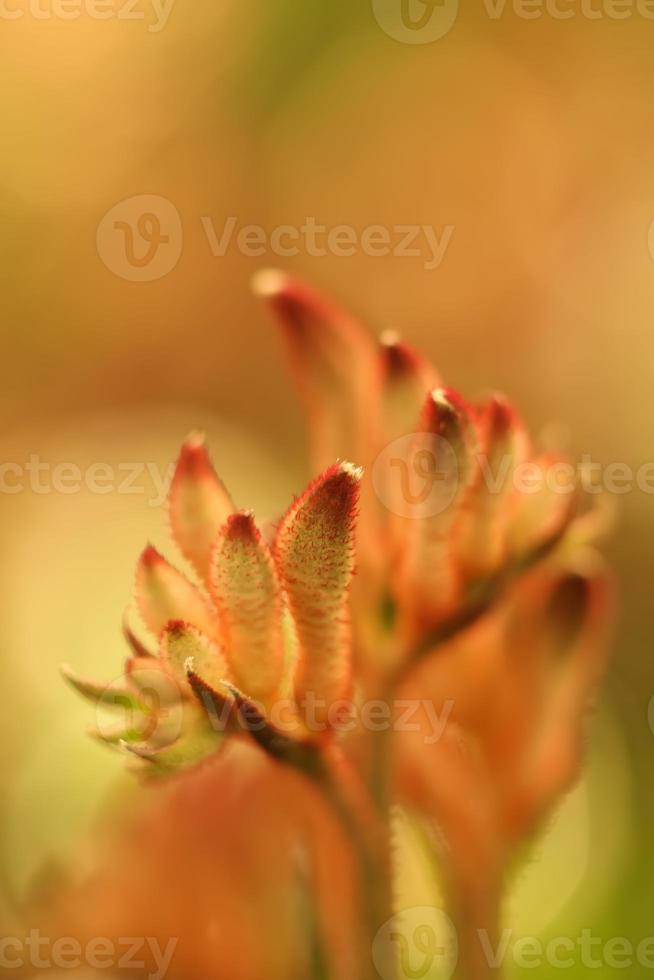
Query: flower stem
[(475, 912), (368, 830)]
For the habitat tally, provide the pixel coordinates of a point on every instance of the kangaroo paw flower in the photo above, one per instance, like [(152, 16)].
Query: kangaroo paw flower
[(478, 597)]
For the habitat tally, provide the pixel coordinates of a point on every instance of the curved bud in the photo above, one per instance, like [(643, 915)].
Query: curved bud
[(504, 446), (442, 462), (314, 552), (245, 587), (100, 693), (334, 364), (155, 682), (406, 378), (198, 504), (138, 647), (164, 594), (179, 741)]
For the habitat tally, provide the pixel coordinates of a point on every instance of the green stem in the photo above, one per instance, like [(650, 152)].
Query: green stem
[(475, 913), (369, 835)]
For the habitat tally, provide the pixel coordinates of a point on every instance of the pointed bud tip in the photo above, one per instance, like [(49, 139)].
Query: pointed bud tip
[(241, 527), (444, 409), (353, 472), (269, 282), (151, 557), (194, 456), (176, 627), (500, 414), (389, 338), (194, 440), (343, 477), (399, 359), (337, 489), (298, 307), (447, 398)]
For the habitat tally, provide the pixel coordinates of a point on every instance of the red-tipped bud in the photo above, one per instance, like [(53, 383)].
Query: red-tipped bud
[(406, 379), (315, 555), (334, 364), (164, 594), (245, 588), (198, 504), (438, 476)]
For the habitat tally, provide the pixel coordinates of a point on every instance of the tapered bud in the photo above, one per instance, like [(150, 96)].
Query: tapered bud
[(245, 587), (315, 555), (198, 504)]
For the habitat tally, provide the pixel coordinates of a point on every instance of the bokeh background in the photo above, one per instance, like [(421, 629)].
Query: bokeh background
[(533, 139)]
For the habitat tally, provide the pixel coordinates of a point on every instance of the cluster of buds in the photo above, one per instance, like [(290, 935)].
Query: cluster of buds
[(411, 580)]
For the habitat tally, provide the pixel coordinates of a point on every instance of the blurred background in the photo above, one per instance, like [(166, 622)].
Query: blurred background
[(525, 143)]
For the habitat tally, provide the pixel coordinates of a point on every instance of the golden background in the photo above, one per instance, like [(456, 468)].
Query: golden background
[(532, 138)]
